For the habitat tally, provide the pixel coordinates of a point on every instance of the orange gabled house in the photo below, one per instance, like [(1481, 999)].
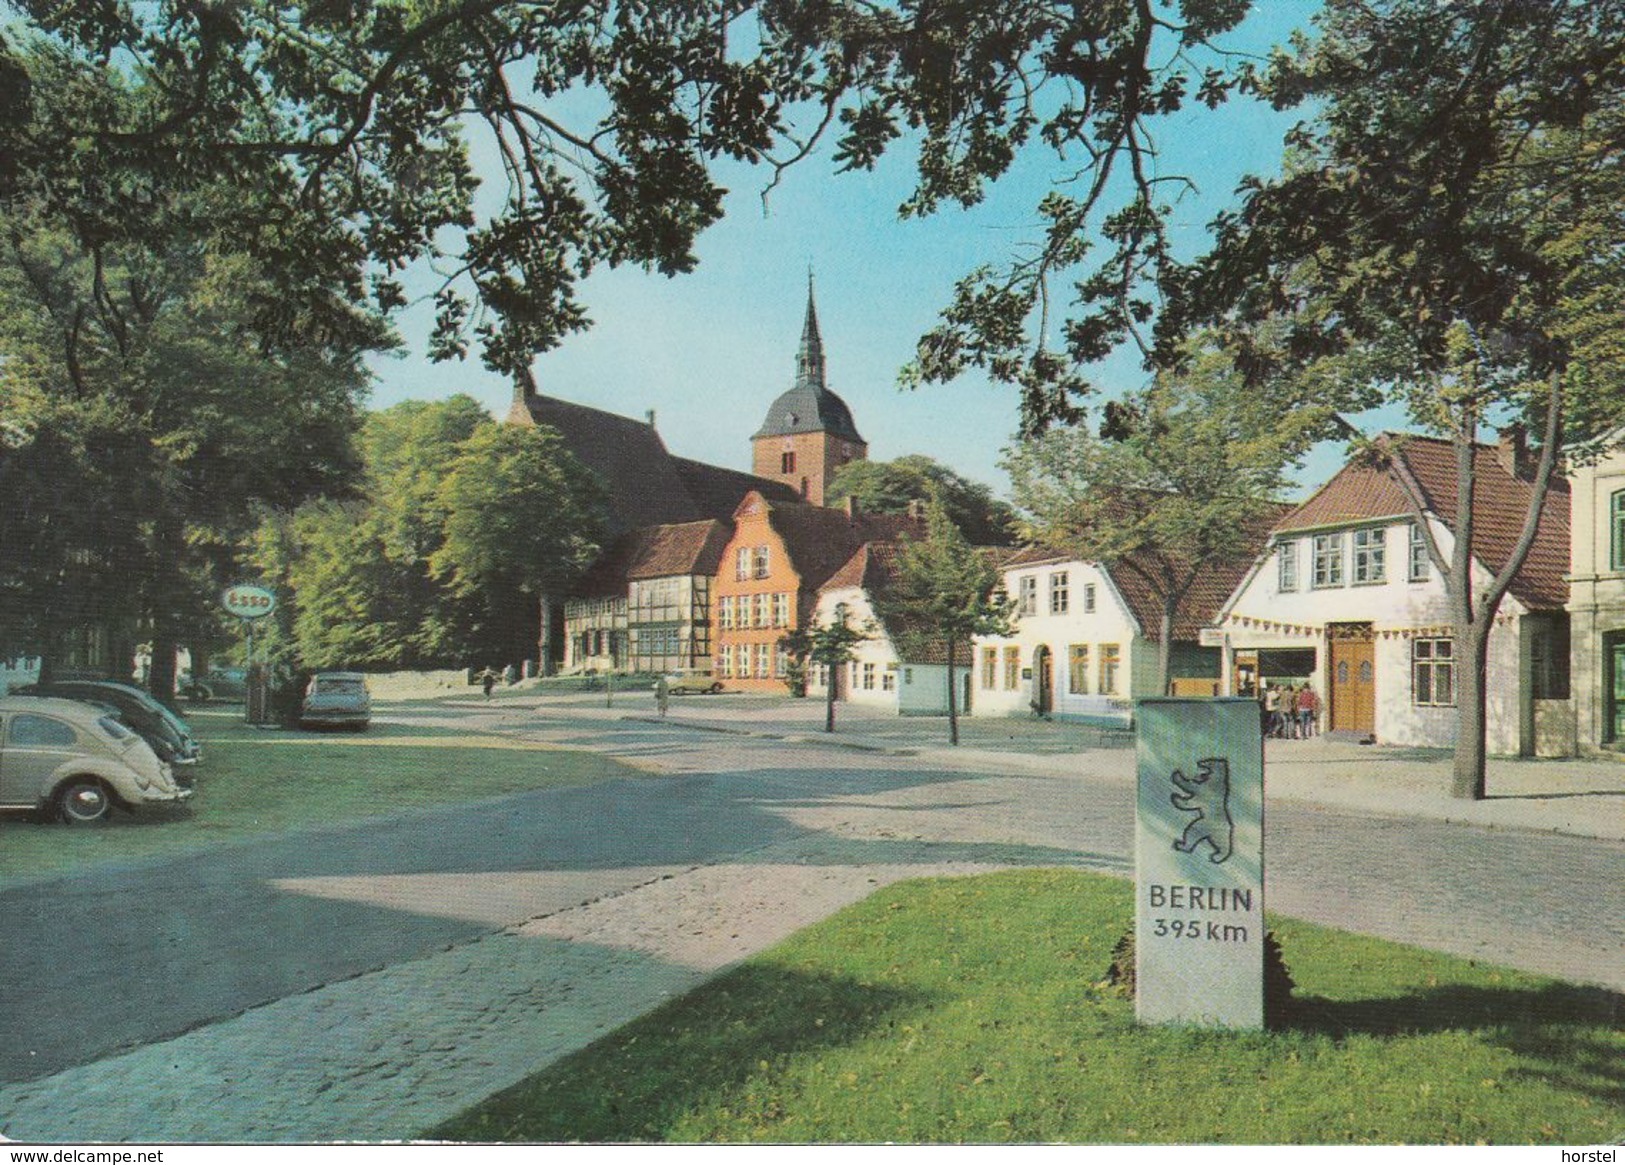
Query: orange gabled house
[(780, 555)]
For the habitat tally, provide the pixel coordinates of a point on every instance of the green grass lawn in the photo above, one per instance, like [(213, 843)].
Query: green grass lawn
[(970, 1010), (256, 781)]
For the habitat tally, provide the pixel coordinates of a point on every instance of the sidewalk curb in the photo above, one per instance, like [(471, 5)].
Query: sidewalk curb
[(1401, 810)]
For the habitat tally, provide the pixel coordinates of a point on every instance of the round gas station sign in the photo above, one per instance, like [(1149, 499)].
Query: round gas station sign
[(247, 601)]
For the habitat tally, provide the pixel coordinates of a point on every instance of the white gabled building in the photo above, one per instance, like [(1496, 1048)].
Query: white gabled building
[(1345, 599), (1597, 598), (1085, 644), (906, 675)]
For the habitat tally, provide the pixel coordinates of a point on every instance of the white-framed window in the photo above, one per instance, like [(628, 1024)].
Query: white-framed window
[(764, 614), (764, 660), (1012, 668), (725, 661), (1286, 560), (1111, 664), (761, 562), (1078, 669), (742, 564), (1417, 565), (781, 609), (888, 681), (725, 612), (990, 668), (1370, 557), (781, 663), (1328, 564), (868, 677), (1433, 673), (1027, 594), (1059, 594)]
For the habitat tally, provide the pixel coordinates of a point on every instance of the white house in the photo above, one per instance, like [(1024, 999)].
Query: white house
[(1085, 644), (1597, 598), (1346, 599), (907, 675)]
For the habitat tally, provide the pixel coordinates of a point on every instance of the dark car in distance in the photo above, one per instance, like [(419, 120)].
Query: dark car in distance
[(168, 735)]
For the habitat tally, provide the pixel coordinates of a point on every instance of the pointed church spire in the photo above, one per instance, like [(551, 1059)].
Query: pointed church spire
[(810, 359)]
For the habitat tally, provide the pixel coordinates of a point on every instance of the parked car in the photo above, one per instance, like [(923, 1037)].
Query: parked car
[(337, 698), (691, 680), (218, 683), (74, 761), (166, 733)]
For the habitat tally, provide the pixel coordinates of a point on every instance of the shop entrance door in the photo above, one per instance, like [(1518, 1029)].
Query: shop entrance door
[(1353, 681)]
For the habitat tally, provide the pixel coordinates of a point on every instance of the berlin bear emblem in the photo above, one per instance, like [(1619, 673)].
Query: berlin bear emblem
[(1207, 794)]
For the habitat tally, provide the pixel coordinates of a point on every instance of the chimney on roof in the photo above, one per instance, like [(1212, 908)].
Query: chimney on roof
[(1512, 451), (852, 510), (651, 415)]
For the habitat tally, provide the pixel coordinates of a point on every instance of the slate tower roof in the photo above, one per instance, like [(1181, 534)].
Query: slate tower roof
[(809, 406)]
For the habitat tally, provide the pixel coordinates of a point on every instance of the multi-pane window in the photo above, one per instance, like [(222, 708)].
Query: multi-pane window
[(781, 609), (1027, 590), (764, 660), (725, 661), (787, 462), (1328, 552), (1616, 531), (1416, 569), (868, 677), (990, 667), (1088, 598), (1370, 556), (888, 681), (781, 663), (1111, 662), (1433, 672), (1286, 558), (742, 564), (1012, 668), (763, 602), (760, 563), (1078, 669), (1058, 593), (725, 612)]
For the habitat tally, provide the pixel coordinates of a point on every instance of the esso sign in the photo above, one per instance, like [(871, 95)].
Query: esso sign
[(248, 602)]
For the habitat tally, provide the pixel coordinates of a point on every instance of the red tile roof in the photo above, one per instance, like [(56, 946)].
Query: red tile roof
[(685, 548), (647, 486), (1201, 602), (874, 568), (820, 541), (1362, 491)]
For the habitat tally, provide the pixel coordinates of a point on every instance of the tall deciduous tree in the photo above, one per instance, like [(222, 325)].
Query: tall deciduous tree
[(524, 520), (830, 645), (1184, 478), (1426, 231), (899, 485), (944, 590)]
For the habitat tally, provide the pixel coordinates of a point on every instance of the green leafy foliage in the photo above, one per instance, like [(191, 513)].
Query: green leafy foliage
[(899, 485), (460, 526), (943, 591), (1185, 477)]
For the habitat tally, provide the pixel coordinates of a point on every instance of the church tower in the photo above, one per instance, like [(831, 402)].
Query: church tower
[(808, 433)]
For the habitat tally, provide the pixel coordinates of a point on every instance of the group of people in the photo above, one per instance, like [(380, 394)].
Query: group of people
[(1289, 713)]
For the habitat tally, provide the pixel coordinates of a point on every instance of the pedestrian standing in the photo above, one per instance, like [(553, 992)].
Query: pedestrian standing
[(488, 680), (662, 695), (1272, 710), (1308, 705)]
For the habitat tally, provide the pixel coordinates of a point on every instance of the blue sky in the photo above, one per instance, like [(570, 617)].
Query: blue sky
[(709, 351)]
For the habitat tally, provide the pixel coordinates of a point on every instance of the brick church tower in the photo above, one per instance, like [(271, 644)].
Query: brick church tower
[(808, 433)]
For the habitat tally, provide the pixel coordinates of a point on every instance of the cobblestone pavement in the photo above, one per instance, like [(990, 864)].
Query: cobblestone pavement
[(437, 958)]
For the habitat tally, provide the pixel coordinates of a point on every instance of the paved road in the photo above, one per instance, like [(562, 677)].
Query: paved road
[(369, 980)]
